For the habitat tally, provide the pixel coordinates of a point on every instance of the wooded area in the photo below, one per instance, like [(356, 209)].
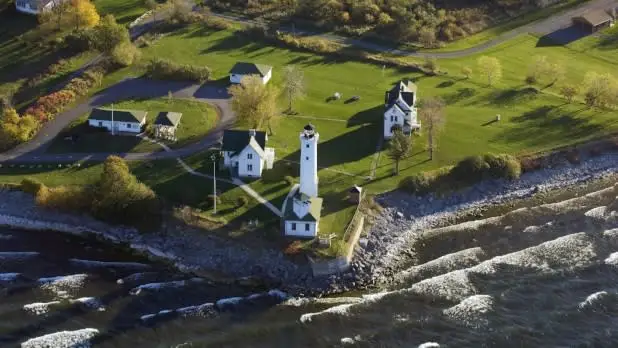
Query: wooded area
[(424, 21)]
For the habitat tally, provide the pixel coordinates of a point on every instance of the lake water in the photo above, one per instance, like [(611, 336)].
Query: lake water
[(558, 290)]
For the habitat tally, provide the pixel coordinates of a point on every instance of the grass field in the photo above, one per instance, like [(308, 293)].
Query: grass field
[(197, 120)]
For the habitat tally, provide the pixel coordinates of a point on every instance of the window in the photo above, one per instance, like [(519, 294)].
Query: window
[(293, 227), (128, 125), (307, 146), (100, 123), (306, 227), (249, 156), (307, 158), (391, 118), (249, 167), (396, 119)]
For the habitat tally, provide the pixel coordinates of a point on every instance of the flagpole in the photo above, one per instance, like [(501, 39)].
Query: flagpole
[(112, 119)]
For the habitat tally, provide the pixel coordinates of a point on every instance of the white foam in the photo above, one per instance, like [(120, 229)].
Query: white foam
[(62, 286), (9, 277), (472, 311), (40, 308), (347, 340), (147, 317), (429, 345), (134, 277), (89, 302), (337, 310), (18, 254), (206, 308), (612, 259), (158, 286), (595, 299), (110, 264), (63, 339), (228, 301)]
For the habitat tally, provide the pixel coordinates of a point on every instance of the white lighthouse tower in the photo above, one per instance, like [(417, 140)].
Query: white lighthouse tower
[(309, 161)]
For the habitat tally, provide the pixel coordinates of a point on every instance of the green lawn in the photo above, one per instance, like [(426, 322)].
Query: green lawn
[(197, 120)]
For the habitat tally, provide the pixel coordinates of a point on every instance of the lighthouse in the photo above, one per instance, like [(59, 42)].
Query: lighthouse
[(309, 161)]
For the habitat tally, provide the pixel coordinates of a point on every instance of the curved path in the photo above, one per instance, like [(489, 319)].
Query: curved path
[(34, 150), (545, 26)]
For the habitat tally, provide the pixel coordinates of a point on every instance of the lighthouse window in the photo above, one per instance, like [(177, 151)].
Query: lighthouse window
[(307, 158), (293, 227), (307, 145)]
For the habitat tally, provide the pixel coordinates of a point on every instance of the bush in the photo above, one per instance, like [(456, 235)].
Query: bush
[(79, 41), (46, 107), (470, 169), (502, 166), (242, 201), (166, 70), (64, 198), (124, 54), (289, 180), (78, 86), (294, 248), (30, 185), (419, 184)]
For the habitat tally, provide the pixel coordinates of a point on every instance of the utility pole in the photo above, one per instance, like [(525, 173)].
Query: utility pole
[(214, 181), (112, 119)]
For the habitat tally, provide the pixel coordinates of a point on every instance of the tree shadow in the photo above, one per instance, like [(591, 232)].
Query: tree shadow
[(513, 96), (445, 84), (459, 95)]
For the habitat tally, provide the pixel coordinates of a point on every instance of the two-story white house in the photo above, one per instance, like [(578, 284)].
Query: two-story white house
[(245, 152), (241, 69), (116, 121), (400, 109)]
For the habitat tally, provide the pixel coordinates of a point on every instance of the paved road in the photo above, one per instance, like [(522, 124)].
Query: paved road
[(556, 22), (34, 150)]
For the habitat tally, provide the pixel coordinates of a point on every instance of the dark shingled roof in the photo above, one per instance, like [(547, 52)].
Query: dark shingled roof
[(405, 89), (594, 17), (100, 114), (242, 68), (168, 119), (236, 140), (315, 210)]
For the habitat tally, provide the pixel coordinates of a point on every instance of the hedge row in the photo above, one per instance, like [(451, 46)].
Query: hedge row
[(167, 70), (468, 171)]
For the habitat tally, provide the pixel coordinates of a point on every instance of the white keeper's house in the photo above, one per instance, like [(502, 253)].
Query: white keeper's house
[(130, 121), (245, 152), (35, 7), (303, 208), (400, 109), (242, 69)]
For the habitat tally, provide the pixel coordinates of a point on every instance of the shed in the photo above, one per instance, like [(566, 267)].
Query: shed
[(242, 69), (165, 125), (594, 20)]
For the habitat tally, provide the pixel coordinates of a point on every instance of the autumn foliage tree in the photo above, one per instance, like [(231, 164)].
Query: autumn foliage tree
[(15, 129), (254, 103), (73, 14), (432, 115), (84, 14), (293, 84), (399, 147), (490, 68)]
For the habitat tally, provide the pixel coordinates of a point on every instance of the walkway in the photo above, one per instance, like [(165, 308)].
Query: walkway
[(234, 181), (548, 25)]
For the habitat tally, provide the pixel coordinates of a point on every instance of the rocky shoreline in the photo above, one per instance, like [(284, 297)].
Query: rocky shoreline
[(385, 251), (405, 216)]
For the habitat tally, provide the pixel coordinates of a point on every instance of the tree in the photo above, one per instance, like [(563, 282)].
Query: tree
[(109, 34), (84, 14), (431, 65), (600, 89), (399, 147), (538, 68), (432, 116), (466, 71), (119, 197), (15, 129), (125, 54), (491, 68), (57, 16), (293, 84), (556, 71), (569, 91), (427, 37), (254, 103)]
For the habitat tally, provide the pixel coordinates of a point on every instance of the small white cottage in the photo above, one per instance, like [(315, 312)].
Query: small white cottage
[(130, 121), (240, 70), (165, 125), (245, 152), (35, 7), (400, 109)]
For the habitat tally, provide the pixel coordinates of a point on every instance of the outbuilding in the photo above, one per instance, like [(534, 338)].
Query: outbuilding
[(165, 125), (130, 121), (241, 70), (593, 21)]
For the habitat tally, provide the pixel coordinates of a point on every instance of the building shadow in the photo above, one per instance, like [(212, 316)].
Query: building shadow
[(562, 37)]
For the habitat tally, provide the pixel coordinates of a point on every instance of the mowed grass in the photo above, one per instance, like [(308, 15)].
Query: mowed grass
[(197, 120), (531, 121)]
